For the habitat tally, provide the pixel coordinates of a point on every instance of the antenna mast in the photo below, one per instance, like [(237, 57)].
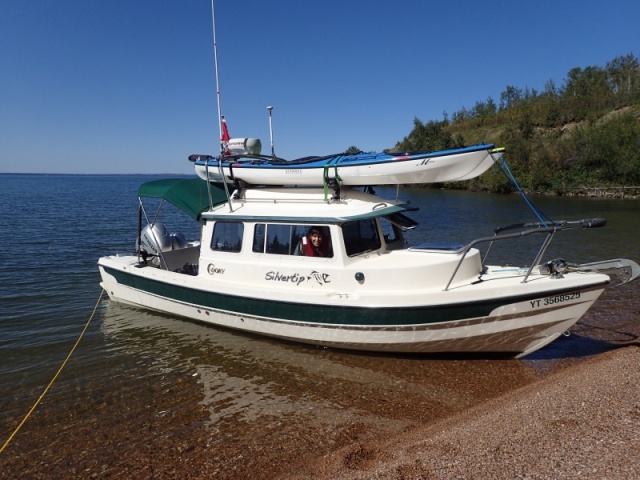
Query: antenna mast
[(222, 147), (273, 154), (215, 57)]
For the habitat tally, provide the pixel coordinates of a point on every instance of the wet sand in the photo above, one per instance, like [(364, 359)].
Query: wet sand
[(266, 410), (581, 423)]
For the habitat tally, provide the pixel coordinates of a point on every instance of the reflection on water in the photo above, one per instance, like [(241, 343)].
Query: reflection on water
[(245, 377)]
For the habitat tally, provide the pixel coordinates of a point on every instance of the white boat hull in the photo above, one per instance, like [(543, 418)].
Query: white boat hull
[(517, 327)]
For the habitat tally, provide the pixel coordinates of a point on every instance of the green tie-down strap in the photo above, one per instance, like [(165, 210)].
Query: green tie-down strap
[(333, 162)]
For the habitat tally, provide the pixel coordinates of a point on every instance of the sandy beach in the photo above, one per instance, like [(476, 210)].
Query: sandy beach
[(583, 422)]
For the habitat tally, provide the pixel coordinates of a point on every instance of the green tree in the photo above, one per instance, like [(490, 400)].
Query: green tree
[(624, 77), (352, 150), (510, 97), (484, 110), (557, 139), (586, 90), (427, 137), (548, 106)]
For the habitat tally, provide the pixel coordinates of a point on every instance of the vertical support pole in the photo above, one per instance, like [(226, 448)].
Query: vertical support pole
[(273, 153)]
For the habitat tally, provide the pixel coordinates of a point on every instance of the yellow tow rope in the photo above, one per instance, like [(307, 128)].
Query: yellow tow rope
[(54, 377)]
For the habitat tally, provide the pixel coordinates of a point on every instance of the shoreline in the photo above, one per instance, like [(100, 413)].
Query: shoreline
[(581, 421)]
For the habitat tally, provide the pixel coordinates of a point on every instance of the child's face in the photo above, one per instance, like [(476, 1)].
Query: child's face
[(316, 239)]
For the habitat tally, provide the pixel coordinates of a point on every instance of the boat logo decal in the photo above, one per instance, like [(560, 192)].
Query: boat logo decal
[(212, 269), (319, 277), (293, 171), (424, 162), (297, 278)]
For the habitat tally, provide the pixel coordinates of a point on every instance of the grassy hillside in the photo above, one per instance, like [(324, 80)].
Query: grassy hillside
[(584, 134)]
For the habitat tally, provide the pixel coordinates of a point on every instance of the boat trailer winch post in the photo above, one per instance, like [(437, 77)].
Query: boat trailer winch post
[(538, 230)]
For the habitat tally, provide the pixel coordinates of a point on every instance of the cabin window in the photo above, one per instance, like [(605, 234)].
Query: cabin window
[(401, 221), (390, 232), (277, 238), (361, 236), (286, 239), (227, 237), (259, 238)]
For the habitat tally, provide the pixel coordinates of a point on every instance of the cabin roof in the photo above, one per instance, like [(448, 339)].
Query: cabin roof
[(306, 205)]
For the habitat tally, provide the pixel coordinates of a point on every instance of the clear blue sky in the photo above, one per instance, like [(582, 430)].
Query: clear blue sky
[(128, 86)]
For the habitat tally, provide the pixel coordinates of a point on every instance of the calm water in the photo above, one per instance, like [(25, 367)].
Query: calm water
[(56, 227)]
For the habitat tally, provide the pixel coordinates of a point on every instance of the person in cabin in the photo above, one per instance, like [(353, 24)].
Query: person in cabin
[(314, 244)]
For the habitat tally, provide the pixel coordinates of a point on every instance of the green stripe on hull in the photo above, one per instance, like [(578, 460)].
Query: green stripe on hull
[(320, 314)]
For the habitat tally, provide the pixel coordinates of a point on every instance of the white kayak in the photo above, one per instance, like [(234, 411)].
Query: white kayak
[(354, 170)]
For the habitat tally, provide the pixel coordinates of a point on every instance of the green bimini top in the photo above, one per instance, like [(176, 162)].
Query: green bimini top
[(188, 194)]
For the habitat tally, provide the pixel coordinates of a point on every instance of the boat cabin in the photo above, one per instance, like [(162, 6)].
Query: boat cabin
[(250, 224), (307, 237)]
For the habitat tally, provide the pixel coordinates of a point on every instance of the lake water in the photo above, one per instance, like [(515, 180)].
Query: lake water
[(140, 379)]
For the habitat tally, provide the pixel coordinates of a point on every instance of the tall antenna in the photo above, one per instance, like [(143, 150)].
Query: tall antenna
[(273, 154), (222, 146), (215, 57)]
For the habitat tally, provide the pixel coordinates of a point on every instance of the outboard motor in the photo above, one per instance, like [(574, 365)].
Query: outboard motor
[(178, 241), (245, 146), (155, 238)]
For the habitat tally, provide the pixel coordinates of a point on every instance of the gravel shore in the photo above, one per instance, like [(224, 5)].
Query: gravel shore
[(583, 422)]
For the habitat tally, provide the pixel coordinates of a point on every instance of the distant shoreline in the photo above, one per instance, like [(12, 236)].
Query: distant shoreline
[(618, 192)]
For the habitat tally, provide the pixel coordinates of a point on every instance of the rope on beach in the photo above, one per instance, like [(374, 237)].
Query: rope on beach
[(55, 376), (633, 337)]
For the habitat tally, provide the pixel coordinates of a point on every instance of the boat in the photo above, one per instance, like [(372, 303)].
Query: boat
[(244, 162), (329, 265), (305, 251)]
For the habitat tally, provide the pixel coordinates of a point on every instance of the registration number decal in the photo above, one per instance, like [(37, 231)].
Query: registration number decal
[(565, 297)]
